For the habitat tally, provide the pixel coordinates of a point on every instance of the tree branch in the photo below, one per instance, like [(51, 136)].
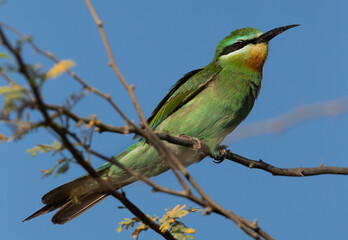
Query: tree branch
[(290, 172), (62, 133)]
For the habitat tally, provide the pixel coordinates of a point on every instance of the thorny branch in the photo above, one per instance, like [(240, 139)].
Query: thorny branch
[(167, 155), (192, 143), (163, 151), (76, 154), (66, 137), (173, 162)]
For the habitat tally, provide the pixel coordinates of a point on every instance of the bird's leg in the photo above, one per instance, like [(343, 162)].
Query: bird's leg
[(219, 154)]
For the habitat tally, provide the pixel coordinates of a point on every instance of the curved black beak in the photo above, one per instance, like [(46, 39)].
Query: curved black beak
[(266, 37)]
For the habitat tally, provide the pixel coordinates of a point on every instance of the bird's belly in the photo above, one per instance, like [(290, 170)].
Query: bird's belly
[(144, 159), (208, 117)]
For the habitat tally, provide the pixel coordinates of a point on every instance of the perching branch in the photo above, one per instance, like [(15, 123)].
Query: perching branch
[(167, 155), (51, 112), (194, 144), (290, 172)]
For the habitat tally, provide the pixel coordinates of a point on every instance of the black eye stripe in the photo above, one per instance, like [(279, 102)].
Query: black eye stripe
[(235, 46)]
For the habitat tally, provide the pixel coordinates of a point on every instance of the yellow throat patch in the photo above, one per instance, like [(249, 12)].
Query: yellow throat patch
[(257, 56)]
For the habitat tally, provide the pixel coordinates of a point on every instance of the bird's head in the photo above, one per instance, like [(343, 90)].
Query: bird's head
[(246, 47)]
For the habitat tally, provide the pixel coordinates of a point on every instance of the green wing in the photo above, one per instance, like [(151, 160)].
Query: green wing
[(182, 92)]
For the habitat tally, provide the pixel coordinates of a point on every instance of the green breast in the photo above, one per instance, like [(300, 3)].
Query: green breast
[(218, 109)]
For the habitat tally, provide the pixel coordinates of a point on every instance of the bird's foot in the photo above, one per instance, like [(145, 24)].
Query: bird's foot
[(219, 154)]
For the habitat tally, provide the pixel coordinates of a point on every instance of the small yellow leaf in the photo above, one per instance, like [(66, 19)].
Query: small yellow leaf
[(92, 121), (189, 230), (2, 137), (47, 172), (119, 229), (13, 89), (90, 124), (165, 226), (79, 123), (59, 68)]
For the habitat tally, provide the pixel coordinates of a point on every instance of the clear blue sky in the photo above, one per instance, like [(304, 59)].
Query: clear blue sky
[(155, 43)]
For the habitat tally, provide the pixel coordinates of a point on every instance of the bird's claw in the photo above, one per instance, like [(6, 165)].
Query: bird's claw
[(220, 156)]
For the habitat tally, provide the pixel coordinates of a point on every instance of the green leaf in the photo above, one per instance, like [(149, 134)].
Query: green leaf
[(5, 55), (63, 168), (180, 231), (13, 95), (195, 209)]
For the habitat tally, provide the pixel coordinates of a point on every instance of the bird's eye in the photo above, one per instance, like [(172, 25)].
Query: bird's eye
[(234, 47), (239, 44)]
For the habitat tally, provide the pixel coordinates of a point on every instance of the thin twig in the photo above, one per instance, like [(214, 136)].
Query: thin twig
[(185, 194), (62, 133), (151, 137), (290, 172), (51, 56)]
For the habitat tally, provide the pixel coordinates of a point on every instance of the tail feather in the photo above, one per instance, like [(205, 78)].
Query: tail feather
[(84, 189), (45, 209), (64, 191), (71, 210)]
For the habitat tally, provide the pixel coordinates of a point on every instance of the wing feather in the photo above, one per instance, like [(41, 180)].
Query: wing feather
[(182, 92)]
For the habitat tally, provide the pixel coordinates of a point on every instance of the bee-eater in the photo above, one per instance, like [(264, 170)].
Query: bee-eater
[(206, 103)]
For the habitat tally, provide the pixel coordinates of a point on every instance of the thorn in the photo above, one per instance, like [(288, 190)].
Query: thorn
[(126, 130), (100, 24), (187, 192), (80, 123), (49, 54), (122, 192), (255, 222), (207, 211), (321, 163), (300, 171)]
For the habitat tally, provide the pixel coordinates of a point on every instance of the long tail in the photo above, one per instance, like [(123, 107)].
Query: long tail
[(72, 199), (77, 196)]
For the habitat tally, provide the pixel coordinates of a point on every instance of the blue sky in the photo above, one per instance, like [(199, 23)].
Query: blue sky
[(155, 43)]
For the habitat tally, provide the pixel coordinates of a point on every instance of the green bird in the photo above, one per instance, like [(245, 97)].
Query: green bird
[(206, 103)]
